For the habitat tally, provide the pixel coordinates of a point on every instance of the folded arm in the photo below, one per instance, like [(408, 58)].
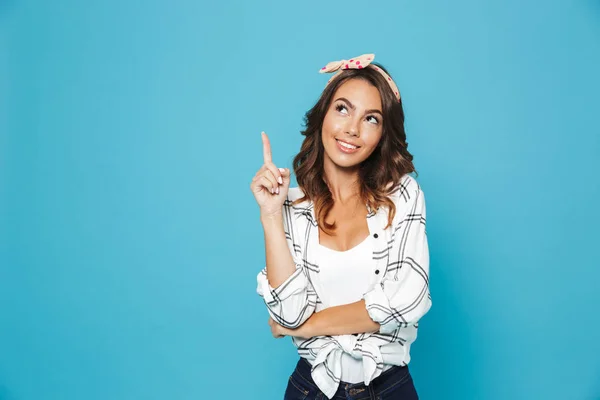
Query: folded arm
[(339, 320), (283, 284), (400, 299)]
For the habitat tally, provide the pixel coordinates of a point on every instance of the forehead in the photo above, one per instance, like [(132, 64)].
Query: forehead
[(360, 93)]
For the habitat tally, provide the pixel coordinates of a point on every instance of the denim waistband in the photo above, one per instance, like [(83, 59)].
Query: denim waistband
[(303, 369)]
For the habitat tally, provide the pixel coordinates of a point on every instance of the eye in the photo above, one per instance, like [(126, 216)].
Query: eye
[(339, 107), (373, 118)]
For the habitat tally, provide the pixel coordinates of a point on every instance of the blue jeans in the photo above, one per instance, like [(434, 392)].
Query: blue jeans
[(393, 384)]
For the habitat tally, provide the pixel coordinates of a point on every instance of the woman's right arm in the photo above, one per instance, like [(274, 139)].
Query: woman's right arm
[(286, 290), (280, 263), (283, 284)]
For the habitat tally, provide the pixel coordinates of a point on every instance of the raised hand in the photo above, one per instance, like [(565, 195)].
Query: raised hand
[(270, 184)]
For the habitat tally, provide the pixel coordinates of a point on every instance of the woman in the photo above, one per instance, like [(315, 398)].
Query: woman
[(347, 261)]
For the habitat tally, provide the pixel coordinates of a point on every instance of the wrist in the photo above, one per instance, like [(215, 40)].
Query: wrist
[(306, 329), (271, 218)]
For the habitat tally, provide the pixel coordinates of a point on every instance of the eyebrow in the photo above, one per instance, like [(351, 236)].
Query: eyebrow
[(345, 100)]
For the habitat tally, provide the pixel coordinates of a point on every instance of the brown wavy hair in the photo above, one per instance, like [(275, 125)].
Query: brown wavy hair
[(388, 163)]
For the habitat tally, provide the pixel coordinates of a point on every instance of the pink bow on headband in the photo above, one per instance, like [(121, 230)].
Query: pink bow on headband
[(359, 62), (354, 63)]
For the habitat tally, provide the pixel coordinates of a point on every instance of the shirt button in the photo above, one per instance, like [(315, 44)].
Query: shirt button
[(375, 236), (376, 272)]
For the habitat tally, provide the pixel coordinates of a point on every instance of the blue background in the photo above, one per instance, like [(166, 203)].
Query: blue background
[(130, 241)]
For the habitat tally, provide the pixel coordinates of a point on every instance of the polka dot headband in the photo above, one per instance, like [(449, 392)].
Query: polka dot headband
[(359, 63)]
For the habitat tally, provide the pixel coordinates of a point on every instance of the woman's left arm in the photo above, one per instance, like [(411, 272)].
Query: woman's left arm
[(339, 320), (402, 297)]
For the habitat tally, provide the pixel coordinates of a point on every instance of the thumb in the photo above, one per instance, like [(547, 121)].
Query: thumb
[(285, 174)]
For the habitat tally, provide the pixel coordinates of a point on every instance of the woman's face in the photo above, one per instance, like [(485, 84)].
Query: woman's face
[(355, 118)]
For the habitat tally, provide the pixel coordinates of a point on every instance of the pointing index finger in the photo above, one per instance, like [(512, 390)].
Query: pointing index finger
[(266, 148)]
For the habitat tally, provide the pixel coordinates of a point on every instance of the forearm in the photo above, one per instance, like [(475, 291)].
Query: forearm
[(280, 264), (339, 320)]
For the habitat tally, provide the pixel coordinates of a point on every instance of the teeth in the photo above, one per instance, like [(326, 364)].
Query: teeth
[(349, 146)]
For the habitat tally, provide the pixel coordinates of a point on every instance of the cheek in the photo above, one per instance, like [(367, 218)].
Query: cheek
[(331, 125), (373, 140)]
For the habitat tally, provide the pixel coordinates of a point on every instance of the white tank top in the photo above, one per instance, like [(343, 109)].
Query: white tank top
[(345, 277)]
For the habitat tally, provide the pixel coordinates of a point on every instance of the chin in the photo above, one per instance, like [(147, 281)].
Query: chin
[(344, 161)]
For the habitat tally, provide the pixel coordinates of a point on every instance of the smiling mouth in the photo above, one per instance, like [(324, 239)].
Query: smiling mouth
[(347, 145)]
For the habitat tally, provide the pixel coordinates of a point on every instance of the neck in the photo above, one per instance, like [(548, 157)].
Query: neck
[(343, 182)]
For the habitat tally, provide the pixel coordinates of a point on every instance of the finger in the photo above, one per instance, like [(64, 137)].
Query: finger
[(279, 173), (269, 175), (261, 181), (275, 171), (266, 148), (276, 332), (268, 184), (285, 172)]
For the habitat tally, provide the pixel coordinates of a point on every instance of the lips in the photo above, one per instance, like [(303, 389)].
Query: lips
[(343, 149), (352, 144)]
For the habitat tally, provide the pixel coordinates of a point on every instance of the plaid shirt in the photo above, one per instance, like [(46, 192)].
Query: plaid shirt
[(398, 299)]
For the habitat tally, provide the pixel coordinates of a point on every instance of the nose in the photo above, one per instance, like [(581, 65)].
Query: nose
[(353, 127)]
